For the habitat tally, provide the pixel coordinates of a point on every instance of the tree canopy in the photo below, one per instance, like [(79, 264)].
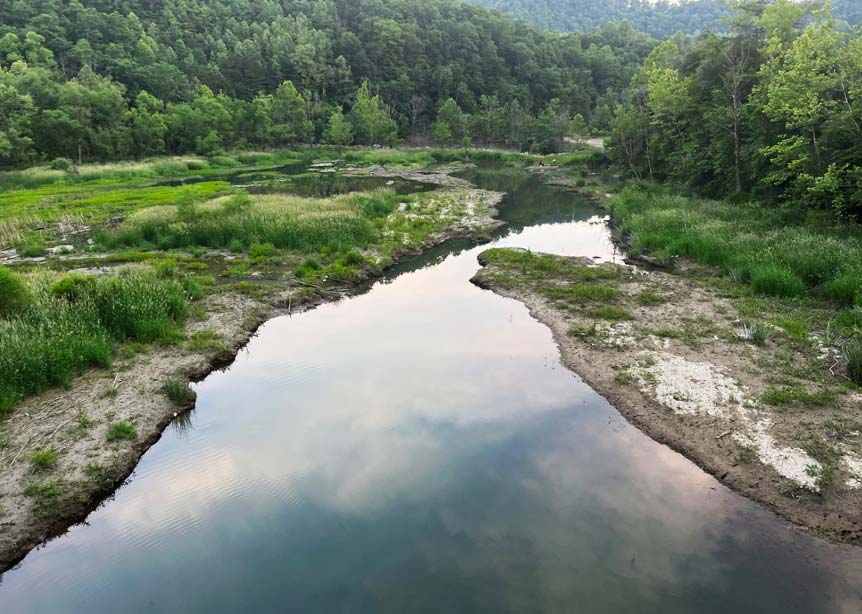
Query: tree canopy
[(774, 109), (659, 18), (100, 79)]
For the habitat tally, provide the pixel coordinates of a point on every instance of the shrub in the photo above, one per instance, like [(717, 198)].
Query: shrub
[(845, 289), (758, 332), (261, 250), (235, 246), (650, 298), (139, 306), (311, 265), (31, 250), (74, 288), (854, 361), (773, 280), (178, 392), (14, 293), (122, 430), (75, 324), (43, 460), (60, 164), (352, 258)]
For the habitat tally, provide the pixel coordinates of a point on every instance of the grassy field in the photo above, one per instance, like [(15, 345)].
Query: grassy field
[(147, 246), (42, 205), (770, 249), (802, 277), (52, 326)]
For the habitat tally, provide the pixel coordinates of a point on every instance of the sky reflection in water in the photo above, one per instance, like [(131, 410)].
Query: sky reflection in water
[(419, 448)]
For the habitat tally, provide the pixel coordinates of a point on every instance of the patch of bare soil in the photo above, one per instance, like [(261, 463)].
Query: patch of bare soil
[(36, 505), (775, 420)]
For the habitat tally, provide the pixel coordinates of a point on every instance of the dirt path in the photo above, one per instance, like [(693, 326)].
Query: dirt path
[(74, 422), (675, 357)]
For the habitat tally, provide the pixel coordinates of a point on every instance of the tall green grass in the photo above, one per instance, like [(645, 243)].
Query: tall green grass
[(283, 221), (771, 249), (75, 322)]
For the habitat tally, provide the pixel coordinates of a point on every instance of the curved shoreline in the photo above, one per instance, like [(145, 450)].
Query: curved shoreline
[(92, 471), (707, 441)]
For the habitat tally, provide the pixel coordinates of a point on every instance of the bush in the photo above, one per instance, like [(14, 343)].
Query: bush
[(178, 392), (74, 288), (196, 165), (352, 258), (773, 280), (845, 289), (122, 430), (43, 460), (261, 250), (14, 293), (60, 164), (139, 306), (854, 361), (75, 324), (31, 250)]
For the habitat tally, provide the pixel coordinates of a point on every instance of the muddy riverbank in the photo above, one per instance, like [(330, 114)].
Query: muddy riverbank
[(74, 422), (676, 358)]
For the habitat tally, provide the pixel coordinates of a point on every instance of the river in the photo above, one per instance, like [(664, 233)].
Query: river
[(419, 448)]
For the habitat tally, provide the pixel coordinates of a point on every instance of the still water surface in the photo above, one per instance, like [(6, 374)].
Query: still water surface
[(419, 448)]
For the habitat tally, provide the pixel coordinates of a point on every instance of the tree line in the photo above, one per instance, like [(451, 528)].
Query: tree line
[(659, 18), (772, 109), (104, 79)]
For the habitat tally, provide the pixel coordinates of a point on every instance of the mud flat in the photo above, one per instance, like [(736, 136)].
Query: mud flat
[(677, 358)]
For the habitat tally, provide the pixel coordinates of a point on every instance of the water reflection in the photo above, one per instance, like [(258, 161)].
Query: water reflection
[(420, 448)]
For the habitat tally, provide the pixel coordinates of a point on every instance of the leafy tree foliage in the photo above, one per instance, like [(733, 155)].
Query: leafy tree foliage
[(660, 18), (773, 109), (99, 79)]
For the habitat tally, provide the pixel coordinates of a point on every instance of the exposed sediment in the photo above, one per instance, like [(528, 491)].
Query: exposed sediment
[(673, 357)]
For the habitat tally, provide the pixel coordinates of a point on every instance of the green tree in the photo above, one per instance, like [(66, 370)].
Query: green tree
[(370, 119), (450, 127), (290, 123), (338, 130)]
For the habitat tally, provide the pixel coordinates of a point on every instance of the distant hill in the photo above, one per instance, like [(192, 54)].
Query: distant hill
[(660, 19)]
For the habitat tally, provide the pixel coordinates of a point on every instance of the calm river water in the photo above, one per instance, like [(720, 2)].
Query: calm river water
[(419, 448)]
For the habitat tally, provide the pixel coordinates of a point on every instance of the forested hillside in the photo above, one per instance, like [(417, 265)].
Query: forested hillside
[(658, 18), (774, 110), (100, 79)]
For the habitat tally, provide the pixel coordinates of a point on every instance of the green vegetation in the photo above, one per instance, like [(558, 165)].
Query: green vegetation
[(797, 395), (610, 312), (47, 497), (570, 283), (746, 455), (96, 204), (122, 430), (660, 18), (768, 248), (262, 222), (75, 322), (758, 332), (770, 112), (827, 456), (650, 298), (854, 361), (178, 392), (43, 460), (14, 293), (146, 78)]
